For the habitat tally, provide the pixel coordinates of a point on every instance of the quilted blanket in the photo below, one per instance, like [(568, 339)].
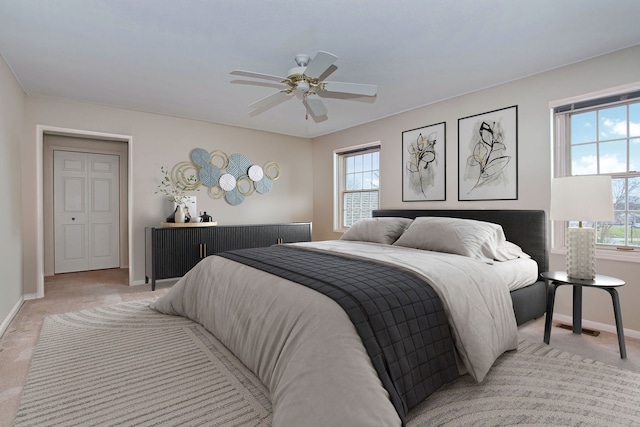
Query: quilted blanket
[(305, 349), (398, 316)]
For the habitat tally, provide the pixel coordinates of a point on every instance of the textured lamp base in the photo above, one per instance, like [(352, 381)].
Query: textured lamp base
[(581, 253)]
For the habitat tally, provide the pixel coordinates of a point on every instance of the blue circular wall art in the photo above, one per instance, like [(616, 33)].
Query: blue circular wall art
[(233, 177)]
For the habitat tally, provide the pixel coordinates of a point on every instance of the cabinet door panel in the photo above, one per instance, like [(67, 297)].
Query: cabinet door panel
[(227, 238), (180, 249), (291, 233)]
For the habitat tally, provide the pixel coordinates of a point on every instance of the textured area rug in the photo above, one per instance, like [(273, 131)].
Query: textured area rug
[(537, 385), (127, 365)]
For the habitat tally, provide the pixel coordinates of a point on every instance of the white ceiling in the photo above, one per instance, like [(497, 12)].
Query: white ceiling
[(173, 57)]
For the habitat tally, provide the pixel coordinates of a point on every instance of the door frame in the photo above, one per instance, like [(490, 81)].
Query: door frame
[(41, 130)]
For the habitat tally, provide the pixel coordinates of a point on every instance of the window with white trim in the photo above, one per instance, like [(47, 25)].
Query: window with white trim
[(357, 182), (602, 137)]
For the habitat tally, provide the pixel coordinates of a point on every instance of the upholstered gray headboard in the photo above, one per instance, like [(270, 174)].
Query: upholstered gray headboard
[(525, 228)]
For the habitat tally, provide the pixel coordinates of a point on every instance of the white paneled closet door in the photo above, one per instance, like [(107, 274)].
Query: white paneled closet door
[(86, 209)]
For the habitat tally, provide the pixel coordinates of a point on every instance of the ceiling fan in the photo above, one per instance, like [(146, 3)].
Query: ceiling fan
[(305, 78)]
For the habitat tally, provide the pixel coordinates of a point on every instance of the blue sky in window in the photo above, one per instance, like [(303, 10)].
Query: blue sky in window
[(612, 129), (583, 127), (613, 122), (362, 172), (584, 160), (613, 156)]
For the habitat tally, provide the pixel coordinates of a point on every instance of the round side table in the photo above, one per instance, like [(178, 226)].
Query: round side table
[(609, 284)]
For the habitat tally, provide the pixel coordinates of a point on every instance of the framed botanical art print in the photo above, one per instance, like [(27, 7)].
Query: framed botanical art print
[(423, 163), (488, 155)]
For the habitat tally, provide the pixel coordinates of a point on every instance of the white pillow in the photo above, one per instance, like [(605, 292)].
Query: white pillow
[(480, 240), (377, 230), (510, 250)]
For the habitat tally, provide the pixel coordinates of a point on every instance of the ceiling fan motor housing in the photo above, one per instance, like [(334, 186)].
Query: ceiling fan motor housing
[(295, 72)]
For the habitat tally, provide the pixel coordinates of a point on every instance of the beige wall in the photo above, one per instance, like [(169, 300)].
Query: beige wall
[(160, 140), (11, 113), (532, 95)]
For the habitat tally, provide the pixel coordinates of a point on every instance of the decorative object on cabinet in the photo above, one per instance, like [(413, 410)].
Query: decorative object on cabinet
[(172, 217), (176, 190), (233, 177), (205, 217), (174, 249), (190, 206), (488, 155), (423, 161), (180, 217)]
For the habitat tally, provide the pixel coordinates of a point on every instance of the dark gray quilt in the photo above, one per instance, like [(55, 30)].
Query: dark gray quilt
[(398, 316)]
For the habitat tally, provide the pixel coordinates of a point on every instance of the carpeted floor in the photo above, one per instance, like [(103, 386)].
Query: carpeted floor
[(128, 365), (537, 385)]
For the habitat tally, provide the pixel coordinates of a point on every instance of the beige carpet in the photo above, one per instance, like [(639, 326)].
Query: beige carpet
[(128, 365)]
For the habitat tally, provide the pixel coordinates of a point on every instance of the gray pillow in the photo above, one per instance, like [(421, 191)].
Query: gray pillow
[(377, 230), (480, 240)]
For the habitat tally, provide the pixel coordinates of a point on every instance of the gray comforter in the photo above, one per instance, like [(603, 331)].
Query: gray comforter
[(303, 347)]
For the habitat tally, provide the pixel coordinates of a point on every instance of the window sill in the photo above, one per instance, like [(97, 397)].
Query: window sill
[(608, 254)]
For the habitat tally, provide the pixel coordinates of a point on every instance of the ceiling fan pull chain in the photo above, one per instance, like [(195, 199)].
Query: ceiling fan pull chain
[(304, 99)]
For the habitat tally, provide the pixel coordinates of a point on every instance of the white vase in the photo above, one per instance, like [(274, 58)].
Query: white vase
[(180, 214)]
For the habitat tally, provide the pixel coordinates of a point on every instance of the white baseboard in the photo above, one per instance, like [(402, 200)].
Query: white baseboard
[(5, 323), (27, 297), (631, 333)]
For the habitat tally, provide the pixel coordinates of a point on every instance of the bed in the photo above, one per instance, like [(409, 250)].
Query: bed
[(525, 228), (353, 356)]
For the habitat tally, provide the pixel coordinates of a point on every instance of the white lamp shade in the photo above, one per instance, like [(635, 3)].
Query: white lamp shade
[(581, 198)]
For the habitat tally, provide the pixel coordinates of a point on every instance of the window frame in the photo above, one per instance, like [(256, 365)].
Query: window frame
[(561, 153), (339, 179)]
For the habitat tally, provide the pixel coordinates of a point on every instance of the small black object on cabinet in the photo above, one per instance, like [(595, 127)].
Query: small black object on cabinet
[(206, 218)]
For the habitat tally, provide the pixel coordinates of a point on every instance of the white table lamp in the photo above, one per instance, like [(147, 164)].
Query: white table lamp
[(581, 198)]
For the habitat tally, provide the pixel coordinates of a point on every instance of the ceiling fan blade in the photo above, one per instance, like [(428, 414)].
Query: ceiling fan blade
[(315, 105), (256, 75), (268, 100), (352, 88), (320, 63)]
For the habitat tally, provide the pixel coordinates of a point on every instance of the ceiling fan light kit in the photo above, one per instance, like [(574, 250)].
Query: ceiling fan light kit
[(305, 78)]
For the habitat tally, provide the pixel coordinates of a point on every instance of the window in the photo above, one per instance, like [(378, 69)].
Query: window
[(357, 184), (602, 137)]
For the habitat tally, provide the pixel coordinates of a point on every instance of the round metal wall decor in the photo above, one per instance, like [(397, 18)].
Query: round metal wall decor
[(233, 177)]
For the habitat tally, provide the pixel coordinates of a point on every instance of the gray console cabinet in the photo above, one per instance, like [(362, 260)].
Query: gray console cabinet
[(171, 252)]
